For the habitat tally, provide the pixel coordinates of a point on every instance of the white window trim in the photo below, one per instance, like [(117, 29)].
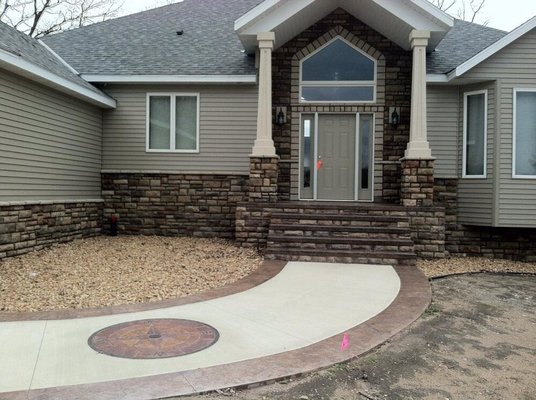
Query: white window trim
[(173, 103), (465, 120), (514, 132), (373, 83)]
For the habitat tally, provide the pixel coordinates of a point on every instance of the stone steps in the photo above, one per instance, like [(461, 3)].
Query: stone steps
[(344, 256), (340, 243), (345, 233), (340, 220), (305, 230)]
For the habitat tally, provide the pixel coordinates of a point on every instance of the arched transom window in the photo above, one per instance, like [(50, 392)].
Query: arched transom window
[(338, 72)]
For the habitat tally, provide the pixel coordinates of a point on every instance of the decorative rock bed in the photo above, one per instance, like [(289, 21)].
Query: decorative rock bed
[(107, 271)]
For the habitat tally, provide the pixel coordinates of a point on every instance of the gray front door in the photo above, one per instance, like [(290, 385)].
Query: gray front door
[(336, 157)]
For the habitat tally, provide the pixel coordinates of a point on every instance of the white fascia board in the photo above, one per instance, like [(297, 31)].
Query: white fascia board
[(413, 15), (14, 63), (438, 14), (437, 78), (494, 48), (244, 79), (254, 13), (275, 16)]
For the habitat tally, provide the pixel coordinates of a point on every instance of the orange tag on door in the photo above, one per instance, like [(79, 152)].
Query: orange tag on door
[(319, 164)]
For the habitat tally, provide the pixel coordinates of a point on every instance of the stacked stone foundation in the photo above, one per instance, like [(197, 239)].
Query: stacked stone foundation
[(173, 204), (479, 241), (417, 186), (26, 227), (263, 176)]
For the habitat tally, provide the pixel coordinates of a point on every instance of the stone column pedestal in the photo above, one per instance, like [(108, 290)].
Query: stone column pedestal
[(417, 188), (263, 173)]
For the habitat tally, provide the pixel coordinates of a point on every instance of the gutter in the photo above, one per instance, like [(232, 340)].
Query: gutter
[(211, 79)]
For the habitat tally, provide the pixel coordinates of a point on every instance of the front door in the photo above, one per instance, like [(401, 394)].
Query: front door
[(336, 157)]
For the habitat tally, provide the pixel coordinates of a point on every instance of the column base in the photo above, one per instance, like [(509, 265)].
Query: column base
[(263, 148), (417, 185), (418, 151), (263, 174)]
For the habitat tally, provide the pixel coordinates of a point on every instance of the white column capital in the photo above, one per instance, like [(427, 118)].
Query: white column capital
[(419, 38), (266, 40)]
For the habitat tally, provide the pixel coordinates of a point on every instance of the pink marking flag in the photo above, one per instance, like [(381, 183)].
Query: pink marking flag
[(345, 342)]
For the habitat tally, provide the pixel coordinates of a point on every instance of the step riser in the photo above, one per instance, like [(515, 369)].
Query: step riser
[(342, 260), (342, 234), (329, 246), (363, 224)]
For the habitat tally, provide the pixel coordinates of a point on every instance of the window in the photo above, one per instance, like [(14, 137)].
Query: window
[(173, 122), (524, 149), (338, 72), (307, 156), (475, 134)]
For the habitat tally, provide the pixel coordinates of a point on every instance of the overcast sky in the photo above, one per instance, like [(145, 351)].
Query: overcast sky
[(501, 14)]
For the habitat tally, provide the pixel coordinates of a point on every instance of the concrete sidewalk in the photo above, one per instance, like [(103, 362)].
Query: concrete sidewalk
[(305, 304)]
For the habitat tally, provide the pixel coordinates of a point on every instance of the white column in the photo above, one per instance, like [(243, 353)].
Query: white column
[(264, 145), (418, 146)]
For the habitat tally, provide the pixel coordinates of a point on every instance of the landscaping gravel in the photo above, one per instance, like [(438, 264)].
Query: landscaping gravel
[(460, 265), (107, 271)]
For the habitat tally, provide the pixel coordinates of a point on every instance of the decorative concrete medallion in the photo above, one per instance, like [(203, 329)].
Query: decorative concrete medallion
[(154, 338)]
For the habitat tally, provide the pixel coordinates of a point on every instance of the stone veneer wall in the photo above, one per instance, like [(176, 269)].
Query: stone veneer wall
[(263, 173), (463, 240), (253, 224), (417, 186), (173, 204), (394, 90), (427, 231), (26, 227)]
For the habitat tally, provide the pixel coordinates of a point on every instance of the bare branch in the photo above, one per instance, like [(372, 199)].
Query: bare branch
[(42, 17), (476, 7), (467, 10), (444, 4)]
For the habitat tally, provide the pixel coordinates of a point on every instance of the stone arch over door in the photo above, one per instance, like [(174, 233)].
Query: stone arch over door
[(297, 108)]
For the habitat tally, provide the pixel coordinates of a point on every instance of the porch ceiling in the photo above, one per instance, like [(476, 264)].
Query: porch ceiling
[(394, 19)]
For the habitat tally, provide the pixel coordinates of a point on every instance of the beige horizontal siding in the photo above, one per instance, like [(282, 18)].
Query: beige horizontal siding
[(50, 146), (228, 123), (443, 108), (475, 196), (514, 67)]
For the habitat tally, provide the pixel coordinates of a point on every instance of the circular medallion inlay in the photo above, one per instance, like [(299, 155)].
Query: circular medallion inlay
[(154, 338)]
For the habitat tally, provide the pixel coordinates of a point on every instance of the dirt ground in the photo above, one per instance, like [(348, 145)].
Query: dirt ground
[(476, 341)]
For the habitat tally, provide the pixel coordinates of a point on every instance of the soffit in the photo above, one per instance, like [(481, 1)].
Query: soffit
[(393, 19)]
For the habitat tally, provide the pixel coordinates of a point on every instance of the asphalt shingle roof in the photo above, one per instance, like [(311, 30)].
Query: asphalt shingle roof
[(147, 43), (29, 49), (462, 42)]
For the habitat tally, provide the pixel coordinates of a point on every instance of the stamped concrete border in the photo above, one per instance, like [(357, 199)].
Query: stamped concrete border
[(413, 299)]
